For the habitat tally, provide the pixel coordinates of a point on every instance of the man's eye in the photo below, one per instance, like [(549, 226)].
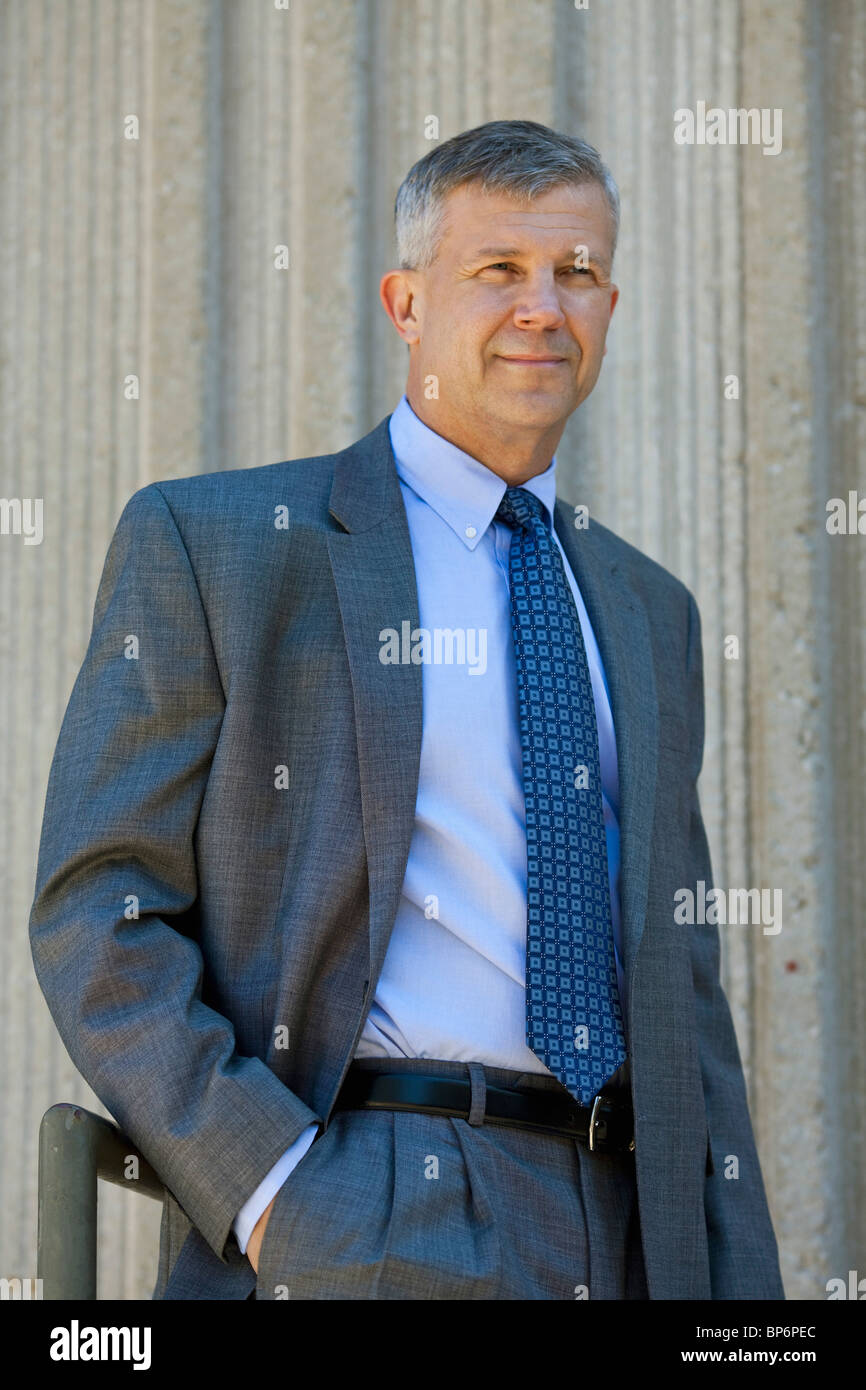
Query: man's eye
[(506, 265)]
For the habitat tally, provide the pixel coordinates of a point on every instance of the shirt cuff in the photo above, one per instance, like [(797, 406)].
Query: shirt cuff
[(269, 1186)]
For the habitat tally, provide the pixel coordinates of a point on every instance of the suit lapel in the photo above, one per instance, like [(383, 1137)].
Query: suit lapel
[(374, 574), (621, 628)]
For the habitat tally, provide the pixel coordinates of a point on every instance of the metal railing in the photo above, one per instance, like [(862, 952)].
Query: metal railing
[(76, 1148)]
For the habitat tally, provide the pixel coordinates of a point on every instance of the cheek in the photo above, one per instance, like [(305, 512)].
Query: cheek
[(466, 344), (600, 318), (590, 318)]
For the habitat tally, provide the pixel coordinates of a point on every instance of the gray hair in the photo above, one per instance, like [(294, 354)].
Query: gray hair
[(520, 158)]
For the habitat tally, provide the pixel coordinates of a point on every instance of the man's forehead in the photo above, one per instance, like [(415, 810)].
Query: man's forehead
[(478, 220)]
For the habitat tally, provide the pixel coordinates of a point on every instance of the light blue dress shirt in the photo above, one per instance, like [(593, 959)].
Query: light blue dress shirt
[(452, 984)]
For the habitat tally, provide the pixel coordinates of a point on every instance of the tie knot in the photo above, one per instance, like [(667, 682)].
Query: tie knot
[(521, 508)]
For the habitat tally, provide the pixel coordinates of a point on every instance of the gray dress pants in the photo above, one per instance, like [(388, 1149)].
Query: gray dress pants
[(402, 1205)]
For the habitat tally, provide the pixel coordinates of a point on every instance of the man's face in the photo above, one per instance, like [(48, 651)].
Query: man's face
[(509, 283)]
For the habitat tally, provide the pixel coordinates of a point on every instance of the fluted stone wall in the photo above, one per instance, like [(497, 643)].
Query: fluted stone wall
[(147, 332)]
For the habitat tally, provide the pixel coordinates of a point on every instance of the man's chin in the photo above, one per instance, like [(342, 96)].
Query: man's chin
[(525, 406)]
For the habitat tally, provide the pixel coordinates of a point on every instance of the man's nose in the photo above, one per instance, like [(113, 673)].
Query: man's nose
[(539, 302)]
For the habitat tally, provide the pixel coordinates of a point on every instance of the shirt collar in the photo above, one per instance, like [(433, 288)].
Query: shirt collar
[(460, 489)]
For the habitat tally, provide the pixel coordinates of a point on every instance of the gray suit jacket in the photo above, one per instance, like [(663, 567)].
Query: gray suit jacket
[(226, 831)]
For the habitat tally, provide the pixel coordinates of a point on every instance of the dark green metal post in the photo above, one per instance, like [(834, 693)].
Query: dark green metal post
[(76, 1148)]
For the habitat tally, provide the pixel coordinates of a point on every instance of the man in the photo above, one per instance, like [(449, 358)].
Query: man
[(355, 897)]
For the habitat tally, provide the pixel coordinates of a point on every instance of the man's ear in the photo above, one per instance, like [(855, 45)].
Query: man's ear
[(397, 293), (614, 296)]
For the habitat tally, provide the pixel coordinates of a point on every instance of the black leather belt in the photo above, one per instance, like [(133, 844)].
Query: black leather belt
[(607, 1126)]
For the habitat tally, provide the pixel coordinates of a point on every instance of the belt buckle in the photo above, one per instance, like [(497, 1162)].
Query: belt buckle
[(593, 1121)]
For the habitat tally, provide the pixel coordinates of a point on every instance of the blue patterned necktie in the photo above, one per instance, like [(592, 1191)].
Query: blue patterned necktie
[(573, 1012)]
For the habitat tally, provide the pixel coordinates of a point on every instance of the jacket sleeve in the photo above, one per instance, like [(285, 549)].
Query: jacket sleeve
[(116, 873), (742, 1246)]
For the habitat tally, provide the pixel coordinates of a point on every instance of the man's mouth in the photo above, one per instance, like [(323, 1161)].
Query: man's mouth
[(535, 361)]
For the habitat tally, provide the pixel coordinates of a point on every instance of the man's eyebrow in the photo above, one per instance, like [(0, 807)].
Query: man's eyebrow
[(497, 251), (500, 253)]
